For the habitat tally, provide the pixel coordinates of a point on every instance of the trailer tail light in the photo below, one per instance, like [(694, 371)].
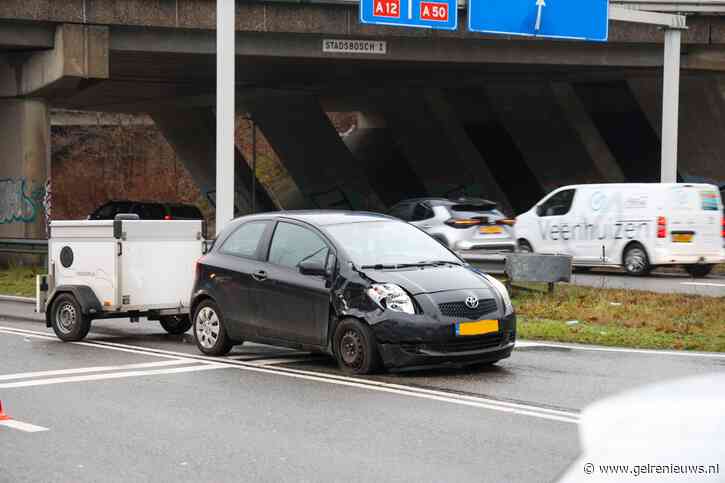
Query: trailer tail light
[(463, 223), (661, 227), (507, 222)]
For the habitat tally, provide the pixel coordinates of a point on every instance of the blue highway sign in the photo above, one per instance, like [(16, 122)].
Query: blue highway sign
[(559, 19), (433, 14)]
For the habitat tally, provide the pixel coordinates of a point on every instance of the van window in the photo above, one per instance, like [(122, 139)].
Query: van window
[(557, 205)]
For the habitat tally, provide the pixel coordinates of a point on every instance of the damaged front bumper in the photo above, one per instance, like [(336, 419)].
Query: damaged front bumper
[(406, 342)]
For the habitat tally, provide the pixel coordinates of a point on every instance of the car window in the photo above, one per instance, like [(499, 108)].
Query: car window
[(110, 210), (245, 240), (151, 211), (292, 244), (422, 212), (557, 205), (402, 211)]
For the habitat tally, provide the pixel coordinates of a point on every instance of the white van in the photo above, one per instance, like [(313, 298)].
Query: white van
[(635, 226)]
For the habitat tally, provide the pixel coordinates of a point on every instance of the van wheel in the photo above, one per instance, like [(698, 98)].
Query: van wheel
[(699, 271), (525, 247), (68, 321), (355, 347), (211, 336), (175, 324), (636, 261)]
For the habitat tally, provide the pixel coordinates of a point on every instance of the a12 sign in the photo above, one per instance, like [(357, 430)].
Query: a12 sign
[(435, 14)]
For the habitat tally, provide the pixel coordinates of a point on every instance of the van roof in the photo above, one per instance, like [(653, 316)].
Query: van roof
[(640, 185)]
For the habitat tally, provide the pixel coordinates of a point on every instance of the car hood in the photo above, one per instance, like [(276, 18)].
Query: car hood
[(430, 279)]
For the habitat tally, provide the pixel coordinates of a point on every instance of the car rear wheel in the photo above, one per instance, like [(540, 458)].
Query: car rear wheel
[(68, 321), (355, 347), (211, 335), (636, 261), (175, 324), (699, 271)]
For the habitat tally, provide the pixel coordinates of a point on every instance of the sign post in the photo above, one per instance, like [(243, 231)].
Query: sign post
[(225, 98), (432, 14)]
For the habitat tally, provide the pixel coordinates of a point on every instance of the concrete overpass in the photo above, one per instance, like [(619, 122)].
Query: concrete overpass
[(440, 112)]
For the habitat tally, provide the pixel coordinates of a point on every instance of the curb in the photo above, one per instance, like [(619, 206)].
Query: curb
[(12, 298)]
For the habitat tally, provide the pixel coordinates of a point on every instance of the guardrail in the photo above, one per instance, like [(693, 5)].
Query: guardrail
[(24, 246)]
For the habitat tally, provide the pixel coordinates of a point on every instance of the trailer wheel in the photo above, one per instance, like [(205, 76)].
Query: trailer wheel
[(175, 324), (67, 319)]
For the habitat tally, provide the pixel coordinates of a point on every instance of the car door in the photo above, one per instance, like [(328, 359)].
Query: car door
[(238, 270), (555, 228), (293, 306)]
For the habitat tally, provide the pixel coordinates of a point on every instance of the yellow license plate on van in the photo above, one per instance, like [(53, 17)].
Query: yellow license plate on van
[(490, 230), (477, 328), (682, 237)]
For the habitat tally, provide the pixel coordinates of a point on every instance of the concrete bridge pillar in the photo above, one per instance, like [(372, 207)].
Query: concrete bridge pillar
[(24, 168), (192, 133)]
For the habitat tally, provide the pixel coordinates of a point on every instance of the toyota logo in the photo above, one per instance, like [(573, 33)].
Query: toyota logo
[(472, 302)]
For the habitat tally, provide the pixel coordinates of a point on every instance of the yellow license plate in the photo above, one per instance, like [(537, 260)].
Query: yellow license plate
[(477, 328), (682, 237), (490, 230)]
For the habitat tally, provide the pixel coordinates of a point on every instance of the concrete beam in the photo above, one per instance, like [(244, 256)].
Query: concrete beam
[(192, 133), (312, 151), (80, 53), (580, 121)]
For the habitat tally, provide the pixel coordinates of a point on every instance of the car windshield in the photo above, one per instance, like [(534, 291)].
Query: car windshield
[(389, 244)]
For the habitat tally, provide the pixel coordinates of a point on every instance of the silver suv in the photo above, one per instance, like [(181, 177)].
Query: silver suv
[(468, 226)]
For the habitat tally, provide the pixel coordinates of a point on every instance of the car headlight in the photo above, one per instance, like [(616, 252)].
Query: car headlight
[(391, 297), (503, 293)]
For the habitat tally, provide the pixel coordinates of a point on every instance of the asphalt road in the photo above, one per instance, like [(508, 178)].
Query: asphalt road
[(132, 403)]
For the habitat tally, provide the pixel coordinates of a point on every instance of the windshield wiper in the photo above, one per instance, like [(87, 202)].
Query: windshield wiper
[(378, 266), (425, 263), (443, 262)]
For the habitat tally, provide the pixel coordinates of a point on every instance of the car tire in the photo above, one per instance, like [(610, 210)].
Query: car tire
[(699, 271), (209, 331), (67, 319), (175, 324), (636, 261), (525, 247), (355, 348)]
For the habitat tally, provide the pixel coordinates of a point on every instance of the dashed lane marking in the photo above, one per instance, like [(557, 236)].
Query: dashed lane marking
[(21, 426), (86, 370)]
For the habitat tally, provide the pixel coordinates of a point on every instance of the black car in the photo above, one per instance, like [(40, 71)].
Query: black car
[(146, 210), (369, 289)]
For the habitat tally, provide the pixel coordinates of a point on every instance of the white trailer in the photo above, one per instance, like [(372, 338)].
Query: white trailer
[(125, 268)]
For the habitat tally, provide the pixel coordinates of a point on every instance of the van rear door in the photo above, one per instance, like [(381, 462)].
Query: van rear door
[(694, 221)]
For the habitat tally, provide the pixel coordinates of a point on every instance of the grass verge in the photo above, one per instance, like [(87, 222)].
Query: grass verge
[(18, 281), (624, 318)]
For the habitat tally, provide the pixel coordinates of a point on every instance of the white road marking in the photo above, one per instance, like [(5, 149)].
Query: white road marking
[(85, 370), (596, 348), (27, 427), (361, 383), (112, 375), (281, 360), (704, 284)]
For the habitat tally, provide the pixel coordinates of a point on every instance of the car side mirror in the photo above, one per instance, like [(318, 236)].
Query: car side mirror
[(312, 267)]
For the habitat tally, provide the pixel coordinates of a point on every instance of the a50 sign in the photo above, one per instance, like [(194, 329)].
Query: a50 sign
[(435, 14)]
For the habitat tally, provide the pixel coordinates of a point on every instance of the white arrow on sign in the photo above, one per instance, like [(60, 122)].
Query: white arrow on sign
[(410, 9), (540, 4)]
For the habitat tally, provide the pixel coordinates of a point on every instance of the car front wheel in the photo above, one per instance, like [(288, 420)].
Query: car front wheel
[(211, 336), (356, 349)]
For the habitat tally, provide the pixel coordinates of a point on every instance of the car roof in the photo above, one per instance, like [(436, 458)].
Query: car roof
[(448, 201), (322, 217)]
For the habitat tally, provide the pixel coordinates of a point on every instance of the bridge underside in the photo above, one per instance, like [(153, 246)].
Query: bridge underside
[(500, 118)]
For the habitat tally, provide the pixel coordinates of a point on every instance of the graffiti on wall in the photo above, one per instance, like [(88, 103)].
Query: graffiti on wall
[(21, 201)]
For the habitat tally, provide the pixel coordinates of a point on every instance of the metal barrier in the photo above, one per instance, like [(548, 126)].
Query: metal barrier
[(24, 246), (526, 267)]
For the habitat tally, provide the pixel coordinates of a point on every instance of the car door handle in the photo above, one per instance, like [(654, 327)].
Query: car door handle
[(260, 276), (426, 226)]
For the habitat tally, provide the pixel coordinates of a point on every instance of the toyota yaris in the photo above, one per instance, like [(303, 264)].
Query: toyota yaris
[(369, 289)]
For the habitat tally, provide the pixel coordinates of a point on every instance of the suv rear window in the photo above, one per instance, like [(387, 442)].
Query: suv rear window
[(474, 207), (185, 211)]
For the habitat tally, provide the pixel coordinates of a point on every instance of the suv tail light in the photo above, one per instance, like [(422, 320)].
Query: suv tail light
[(463, 222), (507, 222), (167, 217), (661, 227)]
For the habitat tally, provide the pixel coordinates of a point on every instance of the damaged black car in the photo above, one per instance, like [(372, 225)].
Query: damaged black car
[(371, 290)]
